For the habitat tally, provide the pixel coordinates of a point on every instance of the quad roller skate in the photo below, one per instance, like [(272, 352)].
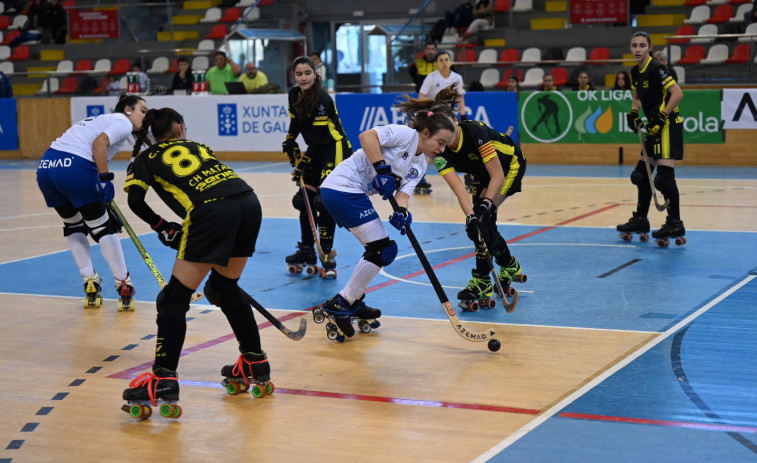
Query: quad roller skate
[(126, 293), (92, 289), (510, 273), (251, 371), (477, 294), (672, 228), (328, 271), (423, 187), (636, 224), (340, 315), (153, 388), (303, 259), (367, 317)]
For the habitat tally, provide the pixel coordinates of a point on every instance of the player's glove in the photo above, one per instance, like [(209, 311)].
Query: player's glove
[(291, 149), (105, 187), (474, 229), (400, 219), (484, 211), (297, 172), (633, 121), (384, 182), (656, 123), (169, 233)]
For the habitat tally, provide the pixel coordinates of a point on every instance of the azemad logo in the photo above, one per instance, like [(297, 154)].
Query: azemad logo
[(546, 116), (95, 110), (227, 119)]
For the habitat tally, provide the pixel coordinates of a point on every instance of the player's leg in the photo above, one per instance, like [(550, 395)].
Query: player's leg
[(638, 223), (670, 150)]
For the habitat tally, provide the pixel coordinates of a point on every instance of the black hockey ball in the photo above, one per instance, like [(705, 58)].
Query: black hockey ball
[(494, 345)]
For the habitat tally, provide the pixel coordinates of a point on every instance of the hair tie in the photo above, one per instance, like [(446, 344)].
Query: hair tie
[(430, 113)]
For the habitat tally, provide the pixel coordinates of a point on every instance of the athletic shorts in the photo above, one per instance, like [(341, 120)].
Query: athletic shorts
[(515, 186), (324, 159), (348, 209), (668, 144), (218, 230), (66, 178)]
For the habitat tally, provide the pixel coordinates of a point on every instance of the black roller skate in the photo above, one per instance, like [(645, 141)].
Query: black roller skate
[(477, 294), (672, 228), (510, 273), (303, 258), (126, 293), (328, 271), (423, 187), (339, 313), (92, 289), (153, 388), (636, 224), (367, 317), (251, 371)]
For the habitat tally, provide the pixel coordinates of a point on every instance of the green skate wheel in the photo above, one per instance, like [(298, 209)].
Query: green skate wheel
[(233, 388), (167, 410), (258, 391), (176, 411), (269, 388), (140, 411)]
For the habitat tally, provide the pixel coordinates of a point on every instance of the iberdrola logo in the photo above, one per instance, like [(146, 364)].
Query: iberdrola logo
[(594, 121)]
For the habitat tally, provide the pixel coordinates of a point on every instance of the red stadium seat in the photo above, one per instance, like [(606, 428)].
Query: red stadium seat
[(502, 6), (218, 31), (685, 29), (10, 36), (599, 53), (560, 75), (68, 86), (120, 67), (740, 54), (694, 2), (506, 75), (466, 55), (510, 55), (231, 15), (722, 14), (693, 55), (20, 53), (5, 21)]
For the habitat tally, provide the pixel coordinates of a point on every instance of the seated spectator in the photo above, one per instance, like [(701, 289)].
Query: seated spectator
[(320, 67), (460, 16), (512, 84), (548, 83), (114, 85), (144, 81), (583, 81), (253, 79), (476, 86), (27, 35), (622, 81), (424, 65), (182, 80), (53, 23), (751, 15), (225, 70)]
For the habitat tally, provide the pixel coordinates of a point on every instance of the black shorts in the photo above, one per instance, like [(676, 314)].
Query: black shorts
[(324, 159), (221, 229), (668, 144)]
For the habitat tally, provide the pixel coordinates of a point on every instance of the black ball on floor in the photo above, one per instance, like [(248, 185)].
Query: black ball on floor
[(494, 345)]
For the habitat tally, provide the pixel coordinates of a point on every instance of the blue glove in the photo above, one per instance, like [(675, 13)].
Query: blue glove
[(384, 182), (400, 219), (105, 187)]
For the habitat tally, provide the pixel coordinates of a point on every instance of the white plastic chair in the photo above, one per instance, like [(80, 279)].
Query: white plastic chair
[(54, 86), (706, 29), (2, 7), (65, 66), (200, 63), (19, 21), (750, 30), (487, 55), (102, 65), (575, 56), (212, 15), (738, 16), (717, 2), (533, 77), (716, 54), (159, 64), (6, 66), (699, 14), (206, 44), (5, 52), (675, 54), (681, 72), (531, 55), (254, 14), (450, 35), (244, 3), (489, 77), (523, 5)]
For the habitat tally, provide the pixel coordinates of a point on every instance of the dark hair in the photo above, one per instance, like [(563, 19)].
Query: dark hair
[(315, 54), (219, 53), (476, 86), (430, 42), (627, 78), (182, 59), (434, 115), (127, 100), (514, 77), (159, 122), (645, 35), (444, 52), (309, 100)]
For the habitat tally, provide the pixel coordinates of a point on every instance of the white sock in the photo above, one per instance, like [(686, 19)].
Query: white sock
[(110, 246), (82, 255), (364, 272)]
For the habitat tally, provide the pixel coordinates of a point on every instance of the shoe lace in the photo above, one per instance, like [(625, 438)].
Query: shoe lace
[(146, 380), (239, 371)]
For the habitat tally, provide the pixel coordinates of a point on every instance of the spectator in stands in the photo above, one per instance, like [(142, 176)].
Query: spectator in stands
[(751, 16), (114, 86), (144, 81), (476, 86), (53, 23), (460, 16), (6, 89), (225, 70), (320, 67), (182, 80), (424, 65), (442, 78), (583, 81), (622, 81), (253, 79), (512, 84), (548, 83), (34, 12), (483, 19)]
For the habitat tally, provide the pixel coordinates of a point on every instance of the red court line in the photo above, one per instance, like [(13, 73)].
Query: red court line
[(677, 424)]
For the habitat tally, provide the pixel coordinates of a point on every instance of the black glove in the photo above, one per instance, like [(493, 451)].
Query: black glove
[(656, 123), (105, 187), (297, 172), (169, 233), (291, 149), (483, 211), (633, 121), (471, 228)]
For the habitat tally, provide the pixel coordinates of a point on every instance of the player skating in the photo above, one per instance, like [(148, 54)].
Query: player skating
[(74, 178), (658, 94), (213, 202), (313, 114)]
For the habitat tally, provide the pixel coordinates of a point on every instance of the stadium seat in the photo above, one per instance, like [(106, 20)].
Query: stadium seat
[(523, 5), (65, 66), (693, 55), (83, 65), (533, 77), (7, 67), (53, 86), (694, 2), (599, 53), (250, 13), (699, 14), (722, 14), (12, 34), (489, 77), (200, 63), (488, 55), (675, 54), (208, 44), (575, 56), (231, 15), (466, 55), (681, 72), (5, 21), (174, 68), (2, 7), (750, 30), (20, 53), (506, 75), (159, 65), (531, 55), (560, 75), (706, 30), (68, 86), (740, 54), (740, 12), (717, 54), (121, 66), (738, 2), (19, 21), (212, 15), (502, 6), (510, 55), (102, 65), (5, 52), (218, 31), (685, 29)]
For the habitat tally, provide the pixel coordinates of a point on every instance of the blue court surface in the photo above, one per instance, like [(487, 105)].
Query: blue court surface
[(690, 394)]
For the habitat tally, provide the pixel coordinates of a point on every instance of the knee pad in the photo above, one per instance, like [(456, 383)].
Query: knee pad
[(173, 299), (223, 292), (104, 225), (74, 224), (318, 204), (639, 174), (665, 180), (381, 252), (298, 201)]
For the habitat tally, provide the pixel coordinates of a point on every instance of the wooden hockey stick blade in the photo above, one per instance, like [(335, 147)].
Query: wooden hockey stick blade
[(464, 332), (293, 335), (323, 256), (660, 207)]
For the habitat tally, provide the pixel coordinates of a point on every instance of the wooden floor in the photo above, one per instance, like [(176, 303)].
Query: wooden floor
[(410, 392)]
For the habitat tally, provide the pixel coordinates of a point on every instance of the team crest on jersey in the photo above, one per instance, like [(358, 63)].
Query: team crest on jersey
[(405, 155), (440, 162), (480, 142), (321, 109), (412, 173), (227, 119)]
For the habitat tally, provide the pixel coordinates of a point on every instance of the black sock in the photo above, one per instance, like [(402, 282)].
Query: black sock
[(173, 304)]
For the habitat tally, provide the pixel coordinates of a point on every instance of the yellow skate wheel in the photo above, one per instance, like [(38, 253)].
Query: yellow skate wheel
[(167, 410), (269, 388), (258, 391)]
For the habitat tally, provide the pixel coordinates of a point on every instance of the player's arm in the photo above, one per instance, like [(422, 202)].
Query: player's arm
[(458, 189), (676, 95), (100, 152), (461, 107), (493, 166), (137, 203), (369, 141)]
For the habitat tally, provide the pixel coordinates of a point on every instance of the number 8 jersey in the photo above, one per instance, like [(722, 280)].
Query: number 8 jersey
[(184, 174)]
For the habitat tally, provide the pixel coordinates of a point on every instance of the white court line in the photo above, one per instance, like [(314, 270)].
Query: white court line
[(514, 437)]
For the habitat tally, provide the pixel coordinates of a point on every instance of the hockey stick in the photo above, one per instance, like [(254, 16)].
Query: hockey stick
[(148, 260), (660, 207), (465, 333), (509, 306), (324, 257), (293, 335)]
